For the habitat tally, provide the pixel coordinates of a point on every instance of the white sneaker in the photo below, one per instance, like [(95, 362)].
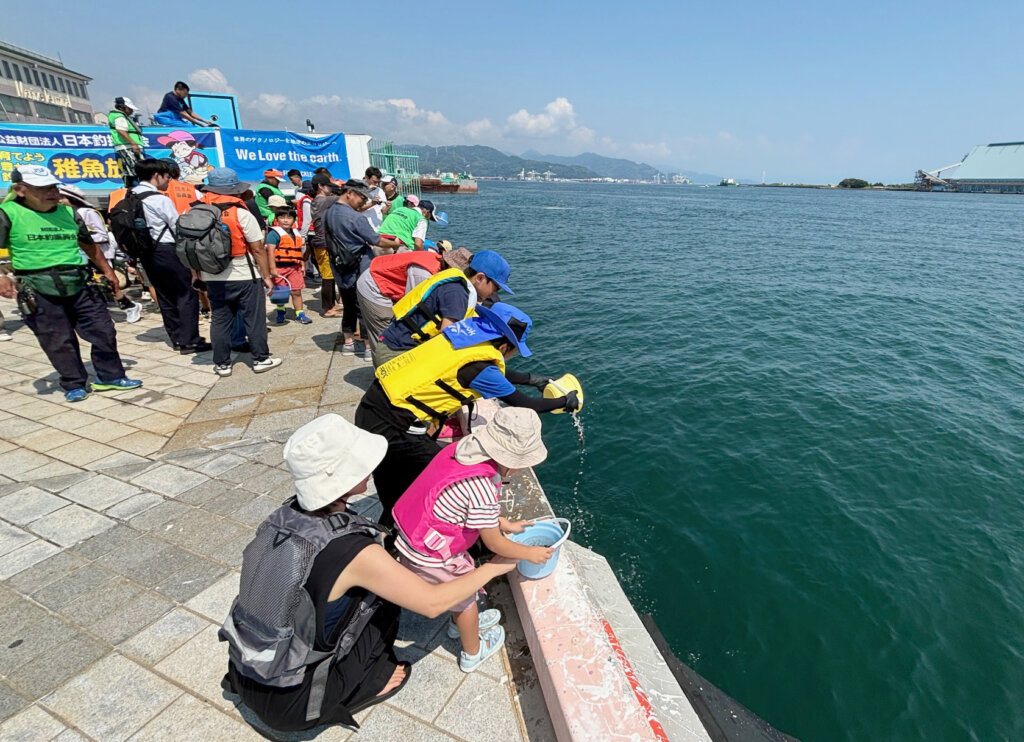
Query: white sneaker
[(224, 370), (488, 618), (490, 642), (4, 335), (266, 364), (133, 313), (348, 349)]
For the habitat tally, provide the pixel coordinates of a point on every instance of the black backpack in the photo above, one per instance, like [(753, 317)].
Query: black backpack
[(202, 241), (129, 227)]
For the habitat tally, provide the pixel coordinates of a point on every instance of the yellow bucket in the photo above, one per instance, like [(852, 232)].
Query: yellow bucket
[(561, 387)]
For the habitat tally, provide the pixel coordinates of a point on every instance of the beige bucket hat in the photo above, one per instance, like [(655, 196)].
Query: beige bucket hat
[(511, 438), (329, 456)]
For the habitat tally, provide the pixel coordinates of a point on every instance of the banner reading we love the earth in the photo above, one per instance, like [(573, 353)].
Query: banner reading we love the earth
[(84, 156), (249, 152)]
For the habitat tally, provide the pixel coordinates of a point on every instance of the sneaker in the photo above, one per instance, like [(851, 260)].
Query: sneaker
[(133, 313), (304, 319), (200, 347), (223, 369), (4, 335), (368, 355), (491, 641), (76, 395), (360, 347), (488, 618), (116, 385), (348, 349), (279, 319), (265, 365)]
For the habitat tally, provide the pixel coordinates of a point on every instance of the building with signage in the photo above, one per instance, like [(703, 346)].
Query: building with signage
[(40, 90)]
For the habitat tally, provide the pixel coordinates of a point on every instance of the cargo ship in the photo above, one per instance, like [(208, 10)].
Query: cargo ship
[(448, 183)]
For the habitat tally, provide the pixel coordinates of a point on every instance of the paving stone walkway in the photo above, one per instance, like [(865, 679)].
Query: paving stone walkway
[(122, 523)]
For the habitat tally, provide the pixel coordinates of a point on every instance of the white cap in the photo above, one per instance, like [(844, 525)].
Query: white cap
[(34, 175), (328, 457), (126, 102)]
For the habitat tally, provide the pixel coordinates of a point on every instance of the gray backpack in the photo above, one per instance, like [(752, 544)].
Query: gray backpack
[(202, 240), (271, 628)]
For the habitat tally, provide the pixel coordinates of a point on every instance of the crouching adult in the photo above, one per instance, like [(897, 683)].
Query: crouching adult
[(311, 634)]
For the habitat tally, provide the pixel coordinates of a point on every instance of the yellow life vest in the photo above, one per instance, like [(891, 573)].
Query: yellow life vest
[(425, 381), (406, 307)]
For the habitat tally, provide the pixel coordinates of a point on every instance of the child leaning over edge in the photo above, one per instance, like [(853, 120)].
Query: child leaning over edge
[(286, 250), (456, 499)]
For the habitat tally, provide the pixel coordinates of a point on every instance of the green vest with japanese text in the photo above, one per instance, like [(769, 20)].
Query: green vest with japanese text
[(134, 133), (401, 222), (261, 203), (40, 240)]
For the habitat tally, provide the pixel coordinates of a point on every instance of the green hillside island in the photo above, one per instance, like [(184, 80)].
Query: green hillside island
[(487, 162)]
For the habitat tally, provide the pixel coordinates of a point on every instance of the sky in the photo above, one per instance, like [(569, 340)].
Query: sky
[(800, 92)]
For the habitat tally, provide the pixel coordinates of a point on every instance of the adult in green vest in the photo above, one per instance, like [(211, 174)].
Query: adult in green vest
[(51, 283), (265, 190), (407, 223), (126, 136)]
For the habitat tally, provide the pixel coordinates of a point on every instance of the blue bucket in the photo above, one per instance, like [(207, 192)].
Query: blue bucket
[(281, 291), (541, 533)]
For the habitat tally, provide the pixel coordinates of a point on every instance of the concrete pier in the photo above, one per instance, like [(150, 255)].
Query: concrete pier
[(122, 524)]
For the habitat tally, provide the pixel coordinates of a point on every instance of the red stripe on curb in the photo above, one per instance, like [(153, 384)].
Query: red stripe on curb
[(638, 691)]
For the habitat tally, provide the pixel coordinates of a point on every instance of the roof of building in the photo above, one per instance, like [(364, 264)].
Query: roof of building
[(36, 57), (989, 162)]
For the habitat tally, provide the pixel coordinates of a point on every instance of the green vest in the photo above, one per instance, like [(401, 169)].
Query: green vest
[(261, 203), (134, 133), (400, 222), (42, 240)]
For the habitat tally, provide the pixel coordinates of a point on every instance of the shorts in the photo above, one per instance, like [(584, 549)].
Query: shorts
[(323, 263), (460, 564), (295, 274)]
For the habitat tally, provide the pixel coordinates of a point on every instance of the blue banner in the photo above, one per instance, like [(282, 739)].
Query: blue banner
[(84, 156), (250, 152)]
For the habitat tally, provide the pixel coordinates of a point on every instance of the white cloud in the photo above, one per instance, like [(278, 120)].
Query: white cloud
[(210, 80), (558, 118), (556, 128)]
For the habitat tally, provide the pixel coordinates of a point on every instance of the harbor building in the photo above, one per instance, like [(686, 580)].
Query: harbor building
[(35, 89), (988, 168)]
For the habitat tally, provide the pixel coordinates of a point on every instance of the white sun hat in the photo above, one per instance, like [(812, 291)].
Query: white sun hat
[(328, 457), (511, 438)]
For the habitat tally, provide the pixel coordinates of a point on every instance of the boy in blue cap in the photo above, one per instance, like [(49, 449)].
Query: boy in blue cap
[(446, 299), (430, 383)]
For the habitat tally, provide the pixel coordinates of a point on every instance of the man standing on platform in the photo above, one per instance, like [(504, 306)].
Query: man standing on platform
[(129, 145), (46, 241)]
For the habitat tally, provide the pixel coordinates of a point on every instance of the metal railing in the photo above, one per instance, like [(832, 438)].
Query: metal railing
[(397, 161)]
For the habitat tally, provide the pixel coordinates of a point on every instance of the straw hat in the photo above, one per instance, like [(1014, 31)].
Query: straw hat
[(512, 438), (328, 457)]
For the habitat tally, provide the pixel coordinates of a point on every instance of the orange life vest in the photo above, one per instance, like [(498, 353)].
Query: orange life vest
[(183, 195), (116, 197), (300, 201), (390, 272), (230, 217), (289, 249)]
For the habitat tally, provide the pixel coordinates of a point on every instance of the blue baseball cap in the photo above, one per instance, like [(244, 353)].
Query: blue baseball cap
[(495, 267), (506, 320)]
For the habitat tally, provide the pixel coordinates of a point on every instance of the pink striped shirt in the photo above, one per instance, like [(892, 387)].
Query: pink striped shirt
[(470, 503)]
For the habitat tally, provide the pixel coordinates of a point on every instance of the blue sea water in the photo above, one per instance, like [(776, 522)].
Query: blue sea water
[(804, 435)]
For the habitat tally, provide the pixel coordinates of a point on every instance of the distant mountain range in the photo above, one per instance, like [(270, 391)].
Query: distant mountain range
[(489, 162), (606, 167)]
